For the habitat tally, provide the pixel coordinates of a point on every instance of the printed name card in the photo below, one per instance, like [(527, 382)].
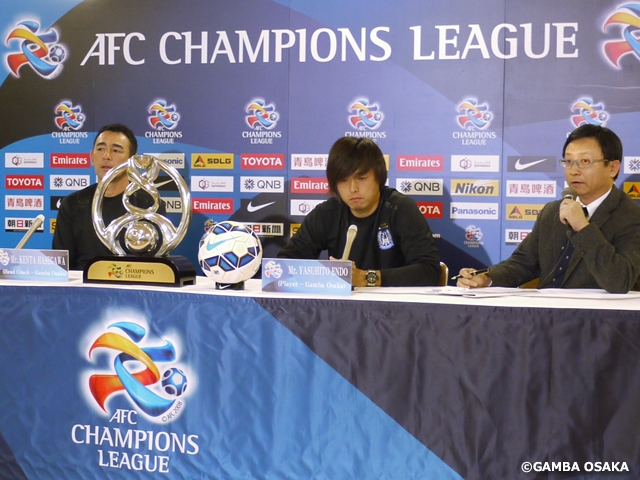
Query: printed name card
[(40, 265), (323, 277)]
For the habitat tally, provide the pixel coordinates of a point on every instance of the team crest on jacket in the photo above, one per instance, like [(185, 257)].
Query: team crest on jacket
[(385, 240)]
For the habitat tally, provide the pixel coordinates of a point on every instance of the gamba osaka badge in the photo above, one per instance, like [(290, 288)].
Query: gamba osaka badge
[(385, 240)]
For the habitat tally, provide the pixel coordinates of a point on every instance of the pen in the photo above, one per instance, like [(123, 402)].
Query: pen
[(473, 274)]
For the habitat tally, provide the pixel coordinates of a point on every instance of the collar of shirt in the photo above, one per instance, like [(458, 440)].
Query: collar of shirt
[(595, 204)]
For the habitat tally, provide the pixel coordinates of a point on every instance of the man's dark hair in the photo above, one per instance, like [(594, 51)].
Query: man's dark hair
[(350, 155), (609, 142), (120, 128)]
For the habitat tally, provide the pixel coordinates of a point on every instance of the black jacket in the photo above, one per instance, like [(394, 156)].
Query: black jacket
[(396, 239)]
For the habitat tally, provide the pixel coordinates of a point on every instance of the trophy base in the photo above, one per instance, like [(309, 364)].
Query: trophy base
[(171, 271), (230, 286)]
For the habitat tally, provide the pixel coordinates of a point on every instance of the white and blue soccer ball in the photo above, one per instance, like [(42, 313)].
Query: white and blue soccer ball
[(57, 54), (174, 382), (230, 252)]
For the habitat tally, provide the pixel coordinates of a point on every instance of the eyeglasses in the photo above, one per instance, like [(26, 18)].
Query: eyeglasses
[(581, 163)]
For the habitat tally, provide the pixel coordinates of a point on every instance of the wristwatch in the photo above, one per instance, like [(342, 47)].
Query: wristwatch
[(371, 278)]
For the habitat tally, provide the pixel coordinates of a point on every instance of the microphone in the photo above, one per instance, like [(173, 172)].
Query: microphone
[(351, 236), (569, 193), (39, 220)]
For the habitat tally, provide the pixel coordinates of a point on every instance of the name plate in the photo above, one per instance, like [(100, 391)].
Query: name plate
[(41, 265), (172, 271), (324, 277)]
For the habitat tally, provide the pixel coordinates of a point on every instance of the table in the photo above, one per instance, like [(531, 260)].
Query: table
[(388, 383)]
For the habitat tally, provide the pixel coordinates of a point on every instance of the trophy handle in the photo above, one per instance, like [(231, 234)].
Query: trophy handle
[(142, 171)]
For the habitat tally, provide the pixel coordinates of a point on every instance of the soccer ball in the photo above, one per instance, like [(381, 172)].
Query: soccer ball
[(230, 252), (174, 382), (57, 54)]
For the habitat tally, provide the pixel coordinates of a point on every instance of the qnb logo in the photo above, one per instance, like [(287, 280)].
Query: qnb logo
[(37, 49), (628, 17), (69, 117), (154, 393), (261, 116), (474, 115), (163, 116), (588, 112), (365, 115)]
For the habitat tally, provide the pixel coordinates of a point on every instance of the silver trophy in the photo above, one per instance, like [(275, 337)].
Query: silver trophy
[(148, 236)]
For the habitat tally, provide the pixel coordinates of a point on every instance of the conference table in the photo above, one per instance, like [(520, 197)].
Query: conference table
[(127, 381)]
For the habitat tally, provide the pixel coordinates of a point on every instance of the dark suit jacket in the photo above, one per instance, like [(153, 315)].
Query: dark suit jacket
[(606, 252)]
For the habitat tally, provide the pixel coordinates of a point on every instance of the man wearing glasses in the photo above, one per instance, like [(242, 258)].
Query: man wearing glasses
[(592, 241)]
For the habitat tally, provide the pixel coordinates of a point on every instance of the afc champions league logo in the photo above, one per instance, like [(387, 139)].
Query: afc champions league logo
[(37, 49), (588, 113), (136, 371), (163, 116), (627, 16), (262, 116), (69, 116), (365, 115), (474, 115)]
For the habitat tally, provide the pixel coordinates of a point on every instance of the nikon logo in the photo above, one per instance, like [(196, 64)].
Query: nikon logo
[(475, 188)]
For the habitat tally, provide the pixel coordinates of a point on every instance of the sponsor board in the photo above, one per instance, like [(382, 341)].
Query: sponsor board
[(303, 207), (529, 163), (262, 161), (176, 160), (262, 184), (24, 202), (173, 204), (416, 186), (632, 189), (523, 211), (212, 205), (420, 163), (55, 201), (309, 161), (212, 160), (293, 229), (475, 163), (23, 160), (469, 211), (631, 165), (68, 182), (431, 209), (69, 160), (24, 182), (309, 185), (514, 236), (475, 188), (12, 224), (267, 229), (211, 184), (541, 188)]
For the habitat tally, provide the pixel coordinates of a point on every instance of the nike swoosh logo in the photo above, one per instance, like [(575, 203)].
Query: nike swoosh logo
[(524, 166), (211, 246), (158, 185), (251, 208)]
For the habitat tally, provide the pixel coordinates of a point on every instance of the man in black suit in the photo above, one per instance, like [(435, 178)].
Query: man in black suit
[(590, 242)]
